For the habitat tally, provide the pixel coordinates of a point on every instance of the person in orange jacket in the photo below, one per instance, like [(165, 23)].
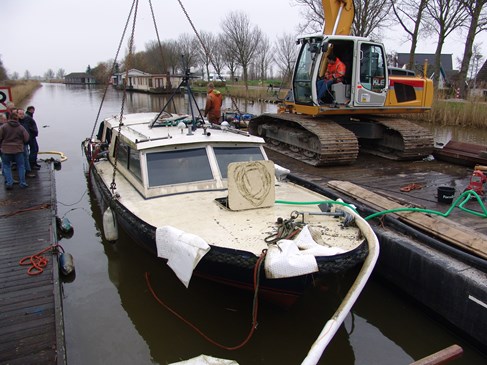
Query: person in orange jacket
[(334, 73), (213, 106)]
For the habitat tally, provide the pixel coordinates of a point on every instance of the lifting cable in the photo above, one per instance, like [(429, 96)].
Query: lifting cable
[(208, 54), (112, 70), (255, 305), (113, 185)]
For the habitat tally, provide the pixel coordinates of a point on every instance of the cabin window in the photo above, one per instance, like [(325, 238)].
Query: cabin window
[(129, 159), (226, 155), (178, 167), (372, 67)]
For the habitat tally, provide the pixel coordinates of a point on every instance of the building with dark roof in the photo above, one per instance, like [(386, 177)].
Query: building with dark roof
[(81, 78), (446, 65)]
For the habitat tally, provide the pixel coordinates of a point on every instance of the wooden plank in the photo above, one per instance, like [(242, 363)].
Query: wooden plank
[(441, 357), (441, 227)]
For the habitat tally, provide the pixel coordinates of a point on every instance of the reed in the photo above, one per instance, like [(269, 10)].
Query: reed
[(22, 90), (453, 112)]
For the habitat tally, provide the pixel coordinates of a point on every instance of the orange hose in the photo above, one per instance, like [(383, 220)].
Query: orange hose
[(197, 330)]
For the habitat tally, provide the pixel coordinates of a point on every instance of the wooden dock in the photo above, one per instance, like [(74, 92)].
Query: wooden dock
[(31, 317)]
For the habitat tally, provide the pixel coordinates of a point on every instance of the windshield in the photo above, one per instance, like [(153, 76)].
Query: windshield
[(226, 155), (177, 167), (303, 74)]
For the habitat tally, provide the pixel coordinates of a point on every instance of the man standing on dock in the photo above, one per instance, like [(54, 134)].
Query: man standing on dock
[(12, 139), (213, 106)]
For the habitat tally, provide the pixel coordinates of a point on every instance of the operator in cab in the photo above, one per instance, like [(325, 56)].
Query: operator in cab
[(335, 72)]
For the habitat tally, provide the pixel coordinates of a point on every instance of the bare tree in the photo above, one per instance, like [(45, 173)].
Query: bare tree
[(242, 39), (477, 17), (409, 13), (264, 58), (187, 44), (27, 75), (229, 58), (218, 56), (312, 14), (370, 16), (3, 71), (444, 16), (158, 56), (49, 75), (285, 56), (206, 46), (477, 59)]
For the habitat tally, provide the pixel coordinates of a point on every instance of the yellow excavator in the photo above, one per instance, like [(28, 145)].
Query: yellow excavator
[(360, 112)]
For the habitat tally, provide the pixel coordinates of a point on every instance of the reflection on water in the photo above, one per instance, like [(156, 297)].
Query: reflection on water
[(111, 317)]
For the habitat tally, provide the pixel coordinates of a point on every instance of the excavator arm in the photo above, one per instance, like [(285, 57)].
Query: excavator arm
[(339, 16)]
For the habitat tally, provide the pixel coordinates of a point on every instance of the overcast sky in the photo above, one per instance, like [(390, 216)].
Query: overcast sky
[(72, 34)]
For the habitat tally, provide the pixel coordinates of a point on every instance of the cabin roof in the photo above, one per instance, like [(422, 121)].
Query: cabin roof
[(136, 129)]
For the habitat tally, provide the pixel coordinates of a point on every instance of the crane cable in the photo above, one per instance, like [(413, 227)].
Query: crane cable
[(114, 65), (113, 185)]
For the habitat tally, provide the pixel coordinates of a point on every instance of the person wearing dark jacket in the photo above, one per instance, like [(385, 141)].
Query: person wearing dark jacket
[(13, 137), (26, 122), (33, 145)]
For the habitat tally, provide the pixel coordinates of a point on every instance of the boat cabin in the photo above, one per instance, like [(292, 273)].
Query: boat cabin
[(172, 158)]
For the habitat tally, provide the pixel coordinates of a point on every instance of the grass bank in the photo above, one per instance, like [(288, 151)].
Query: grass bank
[(455, 112), (22, 90)]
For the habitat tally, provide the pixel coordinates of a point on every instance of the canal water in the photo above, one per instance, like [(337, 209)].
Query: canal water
[(112, 318)]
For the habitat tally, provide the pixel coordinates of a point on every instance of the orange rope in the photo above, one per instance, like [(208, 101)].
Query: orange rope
[(37, 262), (36, 207), (197, 330)]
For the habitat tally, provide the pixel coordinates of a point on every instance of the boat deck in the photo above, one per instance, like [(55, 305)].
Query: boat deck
[(31, 321)]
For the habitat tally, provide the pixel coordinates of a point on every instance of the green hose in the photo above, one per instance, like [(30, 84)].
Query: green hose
[(466, 196), (460, 201), (317, 203)]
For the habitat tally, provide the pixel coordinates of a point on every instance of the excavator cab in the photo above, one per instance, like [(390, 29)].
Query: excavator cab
[(366, 78), (366, 106)]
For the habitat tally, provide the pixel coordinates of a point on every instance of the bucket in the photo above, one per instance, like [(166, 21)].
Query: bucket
[(445, 194)]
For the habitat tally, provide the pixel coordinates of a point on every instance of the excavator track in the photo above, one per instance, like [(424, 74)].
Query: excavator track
[(401, 140), (318, 142)]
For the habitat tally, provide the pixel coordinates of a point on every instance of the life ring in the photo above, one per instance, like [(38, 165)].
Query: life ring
[(61, 154)]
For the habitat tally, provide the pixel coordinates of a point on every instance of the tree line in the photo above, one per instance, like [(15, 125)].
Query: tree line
[(244, 49)]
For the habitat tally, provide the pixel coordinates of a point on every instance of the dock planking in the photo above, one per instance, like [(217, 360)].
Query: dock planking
[(31, 319)]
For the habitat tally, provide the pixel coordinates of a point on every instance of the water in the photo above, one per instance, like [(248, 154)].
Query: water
[(111, 317)]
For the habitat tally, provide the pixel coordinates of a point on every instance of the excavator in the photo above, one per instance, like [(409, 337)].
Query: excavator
[(366, 105)]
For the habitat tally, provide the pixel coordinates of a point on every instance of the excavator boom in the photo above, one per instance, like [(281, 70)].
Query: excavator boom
[(339, 16)]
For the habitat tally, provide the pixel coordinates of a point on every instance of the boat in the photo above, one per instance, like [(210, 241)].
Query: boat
[(462, 153), (205, 199)]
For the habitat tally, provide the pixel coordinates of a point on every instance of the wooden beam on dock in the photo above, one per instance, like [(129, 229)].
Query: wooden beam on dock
[(441, 227), (441, 357)]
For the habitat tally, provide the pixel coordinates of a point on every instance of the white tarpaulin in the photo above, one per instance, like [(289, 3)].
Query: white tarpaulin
[(295, 257), (182, 250), (205, 360)]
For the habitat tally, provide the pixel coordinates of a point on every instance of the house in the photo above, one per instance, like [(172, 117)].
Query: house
[(146, 82), (446, 65), (81, 78)]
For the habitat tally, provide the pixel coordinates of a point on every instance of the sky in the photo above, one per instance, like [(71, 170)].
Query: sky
[(72, 34)]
